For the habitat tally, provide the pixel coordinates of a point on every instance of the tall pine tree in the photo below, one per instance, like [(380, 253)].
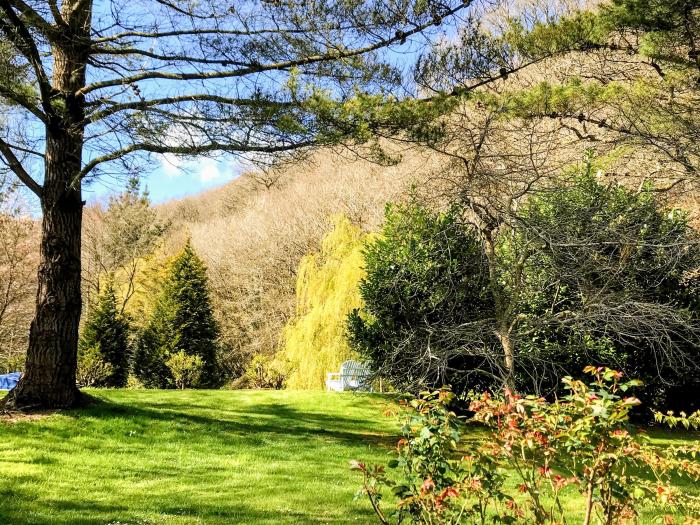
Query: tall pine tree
[(107, 330), (182, 321)]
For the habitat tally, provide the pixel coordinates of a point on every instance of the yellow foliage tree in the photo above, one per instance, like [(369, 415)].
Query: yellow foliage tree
[(327, 291), (138, 285)]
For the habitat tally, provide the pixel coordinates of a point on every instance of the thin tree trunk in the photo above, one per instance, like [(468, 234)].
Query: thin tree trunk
[(502, 309), (508, 357), (50, 371), (589, 504)]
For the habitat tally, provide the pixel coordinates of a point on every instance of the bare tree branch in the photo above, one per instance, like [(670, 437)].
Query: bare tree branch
[(16, 166)]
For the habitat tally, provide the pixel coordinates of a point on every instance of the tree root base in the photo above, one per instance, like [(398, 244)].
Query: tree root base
[(27, 404)]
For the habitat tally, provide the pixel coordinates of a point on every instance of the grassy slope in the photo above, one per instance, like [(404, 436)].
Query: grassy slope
[(193, 457)]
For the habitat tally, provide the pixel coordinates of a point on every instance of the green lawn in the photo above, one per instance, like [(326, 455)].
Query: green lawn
[(193, 457), (202, 457)]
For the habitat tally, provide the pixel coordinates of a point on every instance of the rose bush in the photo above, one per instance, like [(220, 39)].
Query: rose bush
[(579, 451)]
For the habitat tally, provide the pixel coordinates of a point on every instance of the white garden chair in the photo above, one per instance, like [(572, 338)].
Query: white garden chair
[(352, 376)]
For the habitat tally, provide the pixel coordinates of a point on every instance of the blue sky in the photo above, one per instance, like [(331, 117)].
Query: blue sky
[(172, 178)]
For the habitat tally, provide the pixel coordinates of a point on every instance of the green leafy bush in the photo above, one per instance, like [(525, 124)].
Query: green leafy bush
[(263, 372), (426, 280), (580, 448), (92, 369), (185, 369), (581, 273)]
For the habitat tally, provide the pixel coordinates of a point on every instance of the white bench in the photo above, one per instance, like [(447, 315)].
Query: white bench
[(352, 376)]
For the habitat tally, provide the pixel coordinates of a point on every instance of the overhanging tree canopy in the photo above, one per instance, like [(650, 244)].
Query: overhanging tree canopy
[(94, 87), (632, 84)]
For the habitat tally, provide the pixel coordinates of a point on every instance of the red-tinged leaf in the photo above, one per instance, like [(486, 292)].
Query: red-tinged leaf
[(356, 465), (428, 485)]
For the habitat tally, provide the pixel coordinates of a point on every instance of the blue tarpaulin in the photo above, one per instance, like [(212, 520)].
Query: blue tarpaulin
[(8, 381)]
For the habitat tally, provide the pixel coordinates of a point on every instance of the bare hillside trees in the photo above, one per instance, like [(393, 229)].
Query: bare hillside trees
[(253, 250), (116, 241), (18, 260)]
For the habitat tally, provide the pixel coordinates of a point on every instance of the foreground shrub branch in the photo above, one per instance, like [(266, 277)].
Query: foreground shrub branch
[(580, 449)]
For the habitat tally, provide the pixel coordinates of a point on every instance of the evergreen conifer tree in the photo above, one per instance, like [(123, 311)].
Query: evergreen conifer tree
[(107, 331), (183, 321), (155, 344)]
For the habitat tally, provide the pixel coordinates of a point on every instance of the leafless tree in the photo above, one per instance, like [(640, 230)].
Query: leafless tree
[(18, 232)]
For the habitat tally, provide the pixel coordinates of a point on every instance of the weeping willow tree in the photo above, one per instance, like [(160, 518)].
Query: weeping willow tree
[(327, 291)]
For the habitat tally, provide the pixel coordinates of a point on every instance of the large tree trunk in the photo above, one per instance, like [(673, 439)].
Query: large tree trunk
[(49, 375), (50, 370)]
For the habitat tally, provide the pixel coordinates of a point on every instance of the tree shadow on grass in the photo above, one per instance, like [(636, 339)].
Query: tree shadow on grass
[(263, 418), (106, 425), (15, 510), (17, 506)]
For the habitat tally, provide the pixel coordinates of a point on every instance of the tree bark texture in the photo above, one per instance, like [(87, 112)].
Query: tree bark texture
[(49, 375)]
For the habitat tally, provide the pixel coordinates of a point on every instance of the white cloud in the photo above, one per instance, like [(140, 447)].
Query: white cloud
[(208, 170), (172, 164), (203, 169)]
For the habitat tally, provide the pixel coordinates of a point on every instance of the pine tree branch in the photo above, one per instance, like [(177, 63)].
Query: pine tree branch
[(35, 19), (191, 150), (331, 56), (17, 33), (17, 98), (201, 97), (209, 31)]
